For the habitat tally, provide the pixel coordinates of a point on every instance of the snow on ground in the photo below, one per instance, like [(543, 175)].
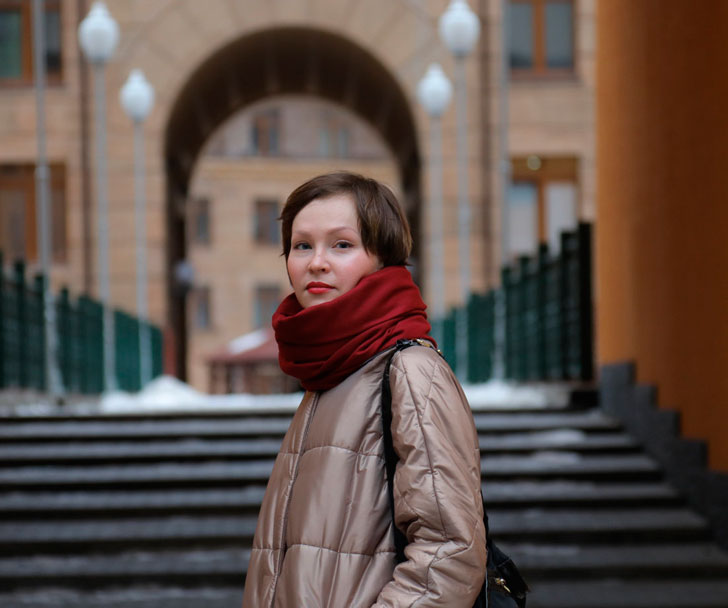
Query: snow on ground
[(168, 394)]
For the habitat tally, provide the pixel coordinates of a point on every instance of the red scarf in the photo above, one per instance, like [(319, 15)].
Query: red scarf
[(323, 344)]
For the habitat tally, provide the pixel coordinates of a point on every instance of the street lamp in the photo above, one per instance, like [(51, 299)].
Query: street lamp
[(53, 380), (434, 92), (137, 98), (499, 334), (459, 30), (98, 34)]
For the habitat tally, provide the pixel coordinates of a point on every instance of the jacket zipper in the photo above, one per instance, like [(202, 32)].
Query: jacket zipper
[(284, 547)]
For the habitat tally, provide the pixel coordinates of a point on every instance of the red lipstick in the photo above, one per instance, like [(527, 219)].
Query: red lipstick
[(316, 287)]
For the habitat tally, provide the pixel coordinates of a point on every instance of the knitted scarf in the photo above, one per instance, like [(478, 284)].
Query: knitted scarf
[(323, 344)]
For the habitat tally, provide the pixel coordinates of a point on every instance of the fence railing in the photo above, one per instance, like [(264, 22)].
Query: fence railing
[(548, 317), (79, 330)]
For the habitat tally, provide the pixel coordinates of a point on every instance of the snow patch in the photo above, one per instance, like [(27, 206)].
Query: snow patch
[(502, 394), (168, 394), (248, 341)]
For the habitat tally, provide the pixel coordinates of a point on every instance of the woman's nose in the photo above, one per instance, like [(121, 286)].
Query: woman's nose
[(319, 261)]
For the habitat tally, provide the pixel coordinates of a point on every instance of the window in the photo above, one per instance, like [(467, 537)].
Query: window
[(267, 299), (16, 41), (333, 137), (202, 317), (266, 133), (18, 229), (541, 37), (200, 221), (266, 227), (542, 203)]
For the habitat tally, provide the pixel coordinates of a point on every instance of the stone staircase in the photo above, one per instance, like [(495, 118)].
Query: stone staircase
[(159, 511)]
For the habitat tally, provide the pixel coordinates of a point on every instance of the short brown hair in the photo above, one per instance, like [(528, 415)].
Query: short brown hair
[(383, 225)]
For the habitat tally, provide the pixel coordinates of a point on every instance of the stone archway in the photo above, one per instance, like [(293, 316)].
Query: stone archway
[(273, 62)]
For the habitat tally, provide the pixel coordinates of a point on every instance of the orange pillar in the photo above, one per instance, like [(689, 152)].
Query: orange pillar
[(662, 219)]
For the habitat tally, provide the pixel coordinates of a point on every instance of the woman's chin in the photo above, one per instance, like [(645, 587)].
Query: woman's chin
[(310, 300)]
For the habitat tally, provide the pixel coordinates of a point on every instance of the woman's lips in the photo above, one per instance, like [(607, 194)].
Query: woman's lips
[(317, 288)]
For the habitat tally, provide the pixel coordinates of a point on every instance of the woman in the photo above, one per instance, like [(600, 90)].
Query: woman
[(324, 535)]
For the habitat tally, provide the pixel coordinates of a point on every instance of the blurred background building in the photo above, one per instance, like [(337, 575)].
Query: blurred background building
[(252, 98), (255, 96)]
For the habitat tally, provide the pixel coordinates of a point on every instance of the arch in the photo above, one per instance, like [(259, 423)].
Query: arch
[(271, 62)]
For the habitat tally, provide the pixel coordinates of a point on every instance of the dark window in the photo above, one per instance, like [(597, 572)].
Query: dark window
[(18, 229), (202, 314), (16, 41), (541, 36), (266, 133), (267, 299), (267, 231), (200, 208)]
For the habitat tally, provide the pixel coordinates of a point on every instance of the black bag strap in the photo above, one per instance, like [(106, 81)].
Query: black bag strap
[(390, 456), (502, 563)]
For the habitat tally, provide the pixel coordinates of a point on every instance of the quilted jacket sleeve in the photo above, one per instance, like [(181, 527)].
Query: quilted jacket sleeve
[(436, 487)]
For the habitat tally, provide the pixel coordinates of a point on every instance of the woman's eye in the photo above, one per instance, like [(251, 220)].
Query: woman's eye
[(343, 245), (302, 246)]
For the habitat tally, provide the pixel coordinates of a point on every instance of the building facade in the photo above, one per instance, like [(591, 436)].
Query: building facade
[(349, 69)]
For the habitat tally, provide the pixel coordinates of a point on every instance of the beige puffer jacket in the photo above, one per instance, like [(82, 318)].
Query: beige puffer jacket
[(324, 536)]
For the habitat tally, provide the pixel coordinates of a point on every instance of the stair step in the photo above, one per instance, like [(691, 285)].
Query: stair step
[(571, 464), (557, 439), (91, 534), (225, 566), (200, 449), (66, 430), (94, 570), (540, 464), (627, 560), (128, 597), (85, 503), (543, 524), (616, 593), (70, 429), (592, 420), (577, 493), (597, 525), (104, 452)]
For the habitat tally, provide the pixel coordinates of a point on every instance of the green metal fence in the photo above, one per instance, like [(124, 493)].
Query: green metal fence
[(548, 317), (79, 328)]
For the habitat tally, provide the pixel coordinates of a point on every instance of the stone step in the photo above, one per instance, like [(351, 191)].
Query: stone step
[(558, 439), (274, 408), (23, 538), (682, 592), (538, 465), (226, 566), (85, 503), (134, 596), (143, 430), (578, 493), (548, 561), (77, 429), (542, 525), (105, 452), (96, 570)]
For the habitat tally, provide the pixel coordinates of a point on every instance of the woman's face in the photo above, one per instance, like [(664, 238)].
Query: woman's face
[(327, 256)]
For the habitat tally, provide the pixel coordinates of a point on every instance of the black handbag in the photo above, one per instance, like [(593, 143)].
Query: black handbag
[(504, 586)]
